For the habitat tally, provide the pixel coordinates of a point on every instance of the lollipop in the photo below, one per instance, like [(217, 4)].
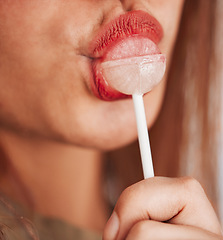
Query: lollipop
[(137, 75)]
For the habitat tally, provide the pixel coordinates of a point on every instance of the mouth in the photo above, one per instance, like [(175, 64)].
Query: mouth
[(130, 35)]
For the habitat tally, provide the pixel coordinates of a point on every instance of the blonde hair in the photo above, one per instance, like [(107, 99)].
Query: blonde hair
[(192, 102)]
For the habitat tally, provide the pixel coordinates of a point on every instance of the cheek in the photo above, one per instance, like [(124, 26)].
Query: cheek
[(169, 17), (41, 75), (36, 76)]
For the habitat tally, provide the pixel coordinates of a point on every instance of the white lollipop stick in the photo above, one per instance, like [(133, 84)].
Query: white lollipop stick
[(143, 136)]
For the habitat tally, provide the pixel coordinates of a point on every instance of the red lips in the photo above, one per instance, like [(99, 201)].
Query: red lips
[(135, 23)]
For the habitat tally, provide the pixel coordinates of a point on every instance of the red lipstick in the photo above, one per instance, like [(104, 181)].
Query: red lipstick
[(137, 24)]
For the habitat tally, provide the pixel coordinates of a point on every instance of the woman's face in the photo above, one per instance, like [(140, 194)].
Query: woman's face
[(46, 78)]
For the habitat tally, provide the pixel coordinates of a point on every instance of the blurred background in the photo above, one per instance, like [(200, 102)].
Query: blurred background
[(220, 42)]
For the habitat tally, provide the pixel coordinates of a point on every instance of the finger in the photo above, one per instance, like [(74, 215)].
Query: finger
[(179, 201), (146, 230)]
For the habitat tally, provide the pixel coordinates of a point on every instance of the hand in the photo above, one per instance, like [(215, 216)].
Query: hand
[(163, 208)]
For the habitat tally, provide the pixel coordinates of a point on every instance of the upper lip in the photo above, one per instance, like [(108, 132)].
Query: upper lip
[(132, 23)]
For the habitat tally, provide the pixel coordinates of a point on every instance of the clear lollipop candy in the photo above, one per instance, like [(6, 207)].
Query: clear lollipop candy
[(135, 75)]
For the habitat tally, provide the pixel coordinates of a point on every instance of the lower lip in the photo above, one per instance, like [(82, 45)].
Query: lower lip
[(131, 46)]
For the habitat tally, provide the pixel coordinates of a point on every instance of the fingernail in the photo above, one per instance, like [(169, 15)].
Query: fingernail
[(111, 228)]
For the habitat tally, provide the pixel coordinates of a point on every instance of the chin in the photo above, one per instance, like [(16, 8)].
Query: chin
[(100, 140)]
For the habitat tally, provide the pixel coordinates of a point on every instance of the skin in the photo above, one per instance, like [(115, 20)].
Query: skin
[(179, 213), (53, 130)]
